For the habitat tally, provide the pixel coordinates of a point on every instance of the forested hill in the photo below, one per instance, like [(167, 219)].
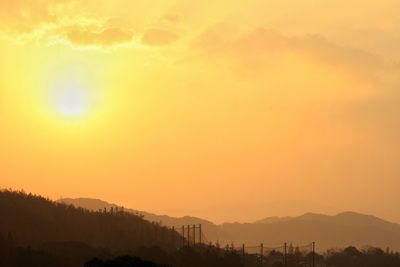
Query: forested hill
[(33, 220)]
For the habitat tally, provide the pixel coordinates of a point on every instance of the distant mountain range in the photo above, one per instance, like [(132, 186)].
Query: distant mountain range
[(342, 230)]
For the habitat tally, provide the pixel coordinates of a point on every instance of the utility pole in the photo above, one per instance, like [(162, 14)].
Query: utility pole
[(285, 255), (156, 233), (243, 254), (188, 235), (313, 254), (183, 236), (261, 254), (200, 234), (194, 235), (173, 236)]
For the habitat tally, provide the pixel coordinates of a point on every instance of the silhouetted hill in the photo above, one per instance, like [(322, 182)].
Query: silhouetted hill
[(344, 229), (33, 221), (213, 231)]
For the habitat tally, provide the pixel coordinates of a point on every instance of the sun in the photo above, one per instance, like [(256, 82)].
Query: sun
[(71, 96), (73, 90), (72, 102)]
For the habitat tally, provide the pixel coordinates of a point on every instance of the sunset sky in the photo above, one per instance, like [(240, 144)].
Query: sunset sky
[(228, 110)]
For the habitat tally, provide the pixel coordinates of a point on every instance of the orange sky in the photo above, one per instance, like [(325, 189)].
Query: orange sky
[(229, 110)]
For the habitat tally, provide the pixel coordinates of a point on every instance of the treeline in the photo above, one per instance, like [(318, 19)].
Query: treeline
[(347, 257), (74, 254), (122, 261), (32, 220), (183, 257), (213, 257), (369, 257)]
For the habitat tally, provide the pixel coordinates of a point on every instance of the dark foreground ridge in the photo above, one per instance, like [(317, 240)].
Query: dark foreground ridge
[(122, 261)]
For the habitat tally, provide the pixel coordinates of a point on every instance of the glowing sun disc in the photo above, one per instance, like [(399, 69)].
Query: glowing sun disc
[(71, 99), (71, 102)]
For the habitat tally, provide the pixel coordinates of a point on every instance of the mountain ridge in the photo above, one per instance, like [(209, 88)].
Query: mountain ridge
[(329, 231)]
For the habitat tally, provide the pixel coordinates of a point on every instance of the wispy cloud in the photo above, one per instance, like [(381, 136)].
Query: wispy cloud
[(67, 22)]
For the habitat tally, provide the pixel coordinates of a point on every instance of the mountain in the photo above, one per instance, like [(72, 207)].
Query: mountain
[(273, 220), (339, 231), (33, 221), (214, 232)]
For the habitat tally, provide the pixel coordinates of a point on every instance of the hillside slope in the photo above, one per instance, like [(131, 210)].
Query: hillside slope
[(214, 232), (34, 220)]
